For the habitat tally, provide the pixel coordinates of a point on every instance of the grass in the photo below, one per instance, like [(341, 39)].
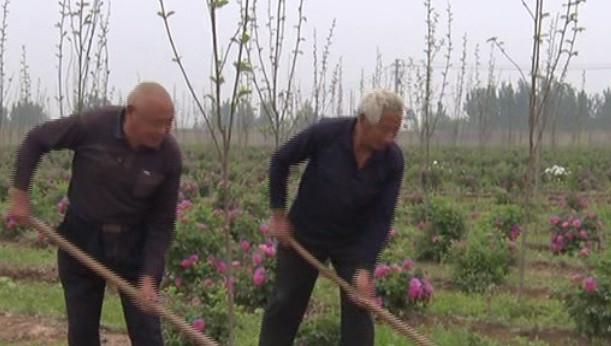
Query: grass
[(22, 256), (43, 299), (502, 308)]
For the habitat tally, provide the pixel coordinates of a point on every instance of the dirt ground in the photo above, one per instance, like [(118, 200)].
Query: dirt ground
[(30, 330)]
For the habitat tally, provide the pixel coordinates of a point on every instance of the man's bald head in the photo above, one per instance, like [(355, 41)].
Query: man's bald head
[(149, 114), (147, 92)]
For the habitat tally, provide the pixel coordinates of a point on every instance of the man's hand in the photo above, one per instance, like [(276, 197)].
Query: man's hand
[(281, 227), (148, 293), (19, 208), (364, 286)]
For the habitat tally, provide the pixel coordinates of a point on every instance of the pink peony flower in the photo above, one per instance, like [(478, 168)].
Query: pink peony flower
[(245, 245), (194, 258), (258, 277), (186, 263), (268, 249), (590, 284), (264, 228), (408, 264), (415, 289), (583, 234), (381, 271), (199, 324), (554, 220), (565, 224), (257, 259), (427, 289), (576, 223), (221, 267)]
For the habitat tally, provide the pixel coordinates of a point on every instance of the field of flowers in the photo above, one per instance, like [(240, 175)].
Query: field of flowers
[(450, 269)]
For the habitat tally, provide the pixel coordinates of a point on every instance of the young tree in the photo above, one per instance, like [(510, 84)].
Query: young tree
[(541, 88), (82, 54), (220, 124), (275, 96)]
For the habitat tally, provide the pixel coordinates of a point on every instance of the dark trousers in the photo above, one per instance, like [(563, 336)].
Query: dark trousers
[(84, 290), (295, 279)]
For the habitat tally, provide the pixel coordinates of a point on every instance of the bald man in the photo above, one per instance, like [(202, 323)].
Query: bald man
[(123, 191)]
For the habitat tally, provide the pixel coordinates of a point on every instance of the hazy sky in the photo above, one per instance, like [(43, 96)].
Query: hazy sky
[(140, 50)]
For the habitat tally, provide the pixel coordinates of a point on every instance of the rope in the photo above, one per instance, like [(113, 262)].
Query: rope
[(198, 338), (384, 314)]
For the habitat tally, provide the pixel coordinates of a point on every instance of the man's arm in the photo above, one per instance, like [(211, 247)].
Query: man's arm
[(161, 223), (371, 243), (296, 150), (64, 133)]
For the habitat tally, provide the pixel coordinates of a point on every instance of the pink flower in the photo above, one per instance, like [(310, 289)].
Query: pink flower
[(264, 228), (381, 271), (268, 250), (199, 324), (408, 264), (554, 220), (194, 258), (245, 245), (236, 264), (427, 289), (565, 224), (590, 284), (221, 267), (257, 259), (583, 234), (576, 223), (258, 277), (415, 289), (186, 263)]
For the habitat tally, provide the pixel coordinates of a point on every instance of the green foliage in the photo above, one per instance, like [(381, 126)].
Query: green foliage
[(483, 260), (589, 301), (441, 224)]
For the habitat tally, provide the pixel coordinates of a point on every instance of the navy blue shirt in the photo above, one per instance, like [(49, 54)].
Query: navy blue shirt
[(337, 202)]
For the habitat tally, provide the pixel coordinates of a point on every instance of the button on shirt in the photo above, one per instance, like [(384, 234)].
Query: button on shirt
[(111, 182), (337, 202)]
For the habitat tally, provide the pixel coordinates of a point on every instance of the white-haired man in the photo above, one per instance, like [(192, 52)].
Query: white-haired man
[(343, 213)]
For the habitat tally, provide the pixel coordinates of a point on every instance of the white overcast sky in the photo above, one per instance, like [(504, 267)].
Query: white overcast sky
[(139, 49)]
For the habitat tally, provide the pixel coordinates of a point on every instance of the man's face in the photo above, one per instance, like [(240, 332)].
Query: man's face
[(379, 136), (152, 122)]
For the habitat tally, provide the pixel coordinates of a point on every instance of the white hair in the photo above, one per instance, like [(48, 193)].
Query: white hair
[(376, 102)]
